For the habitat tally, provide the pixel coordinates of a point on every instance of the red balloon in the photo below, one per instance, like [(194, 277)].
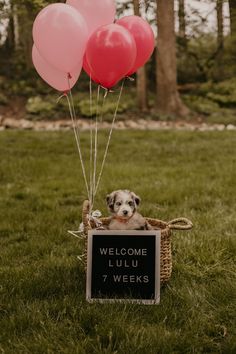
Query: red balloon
[(143, 36), (88, 70), (111, 53)]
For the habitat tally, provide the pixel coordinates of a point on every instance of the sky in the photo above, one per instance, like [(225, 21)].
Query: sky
[(208, 9)]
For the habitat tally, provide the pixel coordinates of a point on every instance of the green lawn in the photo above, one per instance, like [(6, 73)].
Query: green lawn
[(42, 284)]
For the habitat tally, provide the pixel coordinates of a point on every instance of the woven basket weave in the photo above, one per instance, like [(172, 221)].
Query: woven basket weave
[(165, 227)]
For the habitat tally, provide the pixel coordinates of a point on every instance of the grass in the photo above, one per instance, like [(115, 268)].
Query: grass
[(42, 284)]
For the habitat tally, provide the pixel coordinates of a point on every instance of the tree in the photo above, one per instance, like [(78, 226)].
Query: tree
[(182, 21), (220, 37), (232, 11), (220, 24), (16, 26), (141, 74), (168, 99)]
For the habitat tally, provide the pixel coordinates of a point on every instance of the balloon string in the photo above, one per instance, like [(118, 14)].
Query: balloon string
[(109, 137), (101, 118), (77, 138), (76, 131), (59, 98), (103, 103), (91, 145), (95, 145)]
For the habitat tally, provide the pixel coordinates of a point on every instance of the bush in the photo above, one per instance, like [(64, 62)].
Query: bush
[(3, 99), (223, 93), (223, 100), (193, 58), (222, 88), (46, 107), (107, 110), (37, 106), (200, 104)]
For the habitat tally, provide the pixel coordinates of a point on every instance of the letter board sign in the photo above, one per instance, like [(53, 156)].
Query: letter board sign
[(123, 265)]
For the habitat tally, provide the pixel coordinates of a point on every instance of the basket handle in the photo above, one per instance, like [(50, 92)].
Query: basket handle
[(180, 224)]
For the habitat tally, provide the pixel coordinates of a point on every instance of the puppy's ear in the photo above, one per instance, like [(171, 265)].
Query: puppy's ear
[(111, 200), (136, 199)]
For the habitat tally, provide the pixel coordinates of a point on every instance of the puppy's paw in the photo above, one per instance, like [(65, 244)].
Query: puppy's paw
[(101, 228), (148, 226)]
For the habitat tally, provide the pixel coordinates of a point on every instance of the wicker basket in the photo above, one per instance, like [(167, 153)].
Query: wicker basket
[(165, 227)]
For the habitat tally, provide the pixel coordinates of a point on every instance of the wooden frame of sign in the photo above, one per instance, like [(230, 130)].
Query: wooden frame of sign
[(123, 266)]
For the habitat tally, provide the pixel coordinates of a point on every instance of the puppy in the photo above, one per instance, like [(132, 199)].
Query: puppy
[(123, 205)]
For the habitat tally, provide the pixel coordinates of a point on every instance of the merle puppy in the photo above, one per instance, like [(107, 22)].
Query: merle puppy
[(123, 205)]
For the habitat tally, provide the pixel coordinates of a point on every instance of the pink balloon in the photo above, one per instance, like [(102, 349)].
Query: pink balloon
[(95, 12), (60, 35), (143, 36), (57, 79), (88, 70), (111, 53)]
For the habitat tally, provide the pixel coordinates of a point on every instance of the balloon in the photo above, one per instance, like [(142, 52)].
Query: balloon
[(60, 35), (111, 53), (95, 12), (88, 70), (143, 36), (54, 77)]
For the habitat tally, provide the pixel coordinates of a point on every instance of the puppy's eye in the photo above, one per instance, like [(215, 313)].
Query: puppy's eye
[(118, 203), (130, 203)]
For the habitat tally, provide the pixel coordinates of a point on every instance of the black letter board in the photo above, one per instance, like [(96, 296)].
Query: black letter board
[(123, 266)]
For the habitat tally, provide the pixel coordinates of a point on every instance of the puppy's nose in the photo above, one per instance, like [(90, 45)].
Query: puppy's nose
[(125, 212)]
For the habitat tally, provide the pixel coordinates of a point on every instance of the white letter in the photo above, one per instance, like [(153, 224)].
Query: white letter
[(126, 264), (132, 279), (138, 279), (134, 263), (119, 263), (130, 251), (125, 278), (103, 251), (116, 278)]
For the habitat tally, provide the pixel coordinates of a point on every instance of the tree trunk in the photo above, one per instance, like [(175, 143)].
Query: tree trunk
[(25, 20), (141, 74), (16, 26), (136, 7), (232, 11), (182, 20), (220, 38), (220, 24), (168, 99), (9, 44)]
